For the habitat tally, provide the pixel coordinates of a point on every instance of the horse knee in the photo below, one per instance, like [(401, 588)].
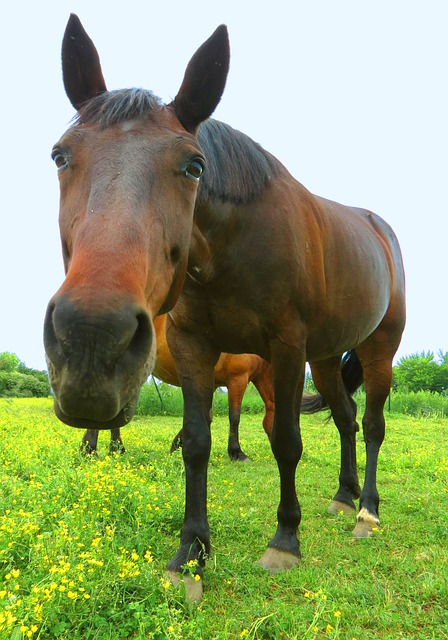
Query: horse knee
[(196, 448), (374, 429), (287, 449)]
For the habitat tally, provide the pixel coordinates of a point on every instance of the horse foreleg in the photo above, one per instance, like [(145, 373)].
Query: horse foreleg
[(89, 442), (195, 536), (116, 443), (288, 366), (197, 389)]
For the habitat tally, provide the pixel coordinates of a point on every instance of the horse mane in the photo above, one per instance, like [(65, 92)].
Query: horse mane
[(238, 169)]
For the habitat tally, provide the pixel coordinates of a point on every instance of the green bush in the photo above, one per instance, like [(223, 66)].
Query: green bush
[(420, 404), (19, 381), (170, 402), (159, 399), (163, 399), (21, 385)]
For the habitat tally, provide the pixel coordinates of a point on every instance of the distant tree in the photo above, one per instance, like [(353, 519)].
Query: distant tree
[(8, 361), (421, 372), (309, 384), (442, 373)]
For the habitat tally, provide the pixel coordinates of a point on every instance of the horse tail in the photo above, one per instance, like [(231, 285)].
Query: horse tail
[(352, 378)]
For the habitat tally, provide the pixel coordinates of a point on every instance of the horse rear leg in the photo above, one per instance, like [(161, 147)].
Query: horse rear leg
[(328, 381), (237, 385), (376, 358), (264, 385)]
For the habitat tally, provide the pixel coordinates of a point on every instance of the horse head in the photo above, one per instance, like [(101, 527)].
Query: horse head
[(129, 169)]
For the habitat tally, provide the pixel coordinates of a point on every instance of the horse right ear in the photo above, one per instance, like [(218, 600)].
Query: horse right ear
[(204, 81), (81, 69)]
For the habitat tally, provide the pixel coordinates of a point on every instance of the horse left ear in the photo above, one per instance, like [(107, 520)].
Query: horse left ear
[(204, 81), (81, 69)]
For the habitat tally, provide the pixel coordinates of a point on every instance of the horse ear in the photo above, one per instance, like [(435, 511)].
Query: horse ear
[(81, 69), (204, 81)]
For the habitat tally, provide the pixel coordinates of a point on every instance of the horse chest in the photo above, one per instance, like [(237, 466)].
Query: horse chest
[(237, 330)]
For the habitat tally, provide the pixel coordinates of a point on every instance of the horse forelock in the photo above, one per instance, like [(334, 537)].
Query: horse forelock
[(112, 107)]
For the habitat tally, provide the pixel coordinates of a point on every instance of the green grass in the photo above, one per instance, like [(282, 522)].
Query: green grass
[(84, 542)]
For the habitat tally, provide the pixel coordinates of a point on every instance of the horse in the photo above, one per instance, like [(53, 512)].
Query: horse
[(165, 210), (231, 371)]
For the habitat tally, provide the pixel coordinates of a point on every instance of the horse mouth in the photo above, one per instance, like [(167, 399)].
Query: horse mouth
[(97, 363), (122, 418)]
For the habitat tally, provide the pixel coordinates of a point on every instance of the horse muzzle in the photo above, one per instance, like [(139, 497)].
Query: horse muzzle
[(97, 361)]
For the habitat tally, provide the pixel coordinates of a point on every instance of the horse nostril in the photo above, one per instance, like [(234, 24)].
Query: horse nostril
[(142, 338), (52, 345), (175, 254), (139, 344)]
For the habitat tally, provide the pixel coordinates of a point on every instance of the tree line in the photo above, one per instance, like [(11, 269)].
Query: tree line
[(19, 381), (423, 371)]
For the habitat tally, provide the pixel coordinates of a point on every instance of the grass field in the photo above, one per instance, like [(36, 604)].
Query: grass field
[(84, 542)]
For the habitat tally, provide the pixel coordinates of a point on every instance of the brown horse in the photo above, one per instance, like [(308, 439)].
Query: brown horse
[(160, 204), (231, 371)]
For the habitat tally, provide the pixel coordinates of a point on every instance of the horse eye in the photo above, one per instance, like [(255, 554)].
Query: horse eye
[(59, 159), (195, 169)]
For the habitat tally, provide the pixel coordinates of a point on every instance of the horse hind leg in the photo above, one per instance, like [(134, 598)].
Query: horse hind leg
[(265, 387), (376, 356), (177, 442), (328, 381), (236, 388)]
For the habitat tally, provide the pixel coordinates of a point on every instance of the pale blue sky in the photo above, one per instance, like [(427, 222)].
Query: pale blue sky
[(349, 95)]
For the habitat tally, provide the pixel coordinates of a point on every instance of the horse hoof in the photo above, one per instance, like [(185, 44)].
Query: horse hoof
[(88, 452), (117, 449), (193, 587), (240, 457), (274, 560), (337, 507), (236, 455), (366, 524)]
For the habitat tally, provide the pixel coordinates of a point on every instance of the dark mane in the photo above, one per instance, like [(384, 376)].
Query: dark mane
[(238, 168), (112, 107)]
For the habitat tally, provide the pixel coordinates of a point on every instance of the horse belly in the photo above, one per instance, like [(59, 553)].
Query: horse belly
[(351, 321)]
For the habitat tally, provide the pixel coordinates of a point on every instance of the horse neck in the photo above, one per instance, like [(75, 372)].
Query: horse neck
[(209, 235)]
